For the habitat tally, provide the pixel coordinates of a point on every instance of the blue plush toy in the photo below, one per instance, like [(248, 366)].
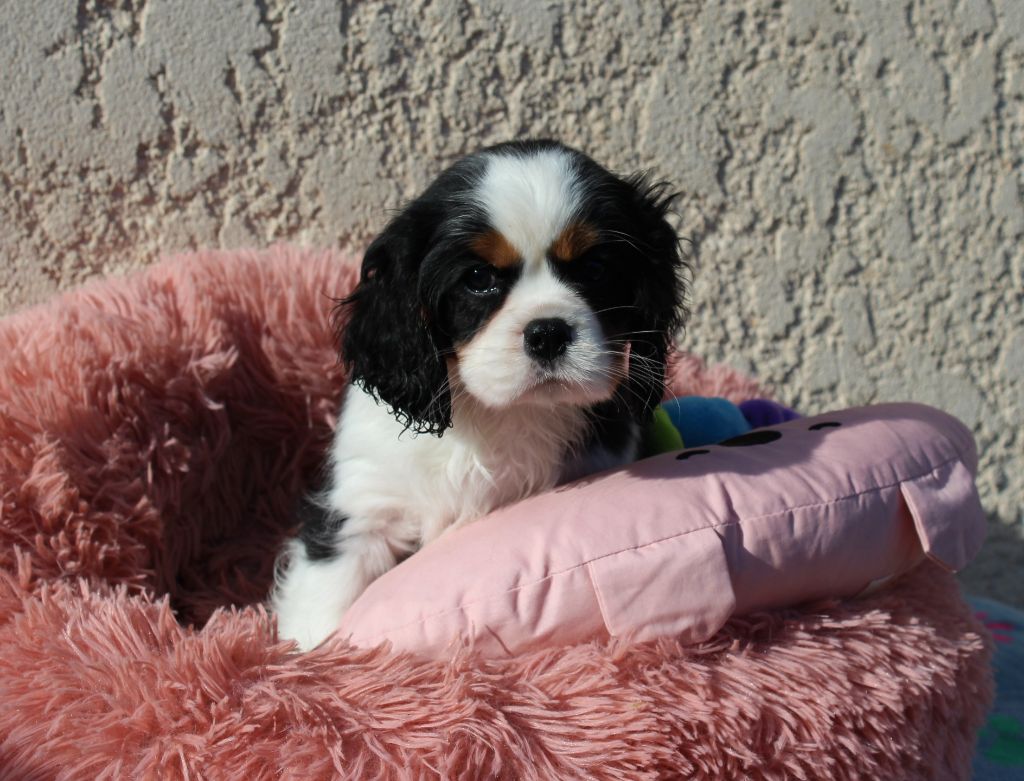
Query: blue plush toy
[(694, 421)]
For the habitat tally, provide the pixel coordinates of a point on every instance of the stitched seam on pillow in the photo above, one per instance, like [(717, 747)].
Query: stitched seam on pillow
[(462, 606), (601, 606)]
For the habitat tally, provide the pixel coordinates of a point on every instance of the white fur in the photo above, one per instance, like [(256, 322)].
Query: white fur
[(530, 199), (400, 491), (516, 427), (311, 596)]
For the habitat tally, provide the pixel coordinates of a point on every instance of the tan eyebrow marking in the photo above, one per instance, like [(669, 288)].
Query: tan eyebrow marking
[(493, 247), (572, 242)]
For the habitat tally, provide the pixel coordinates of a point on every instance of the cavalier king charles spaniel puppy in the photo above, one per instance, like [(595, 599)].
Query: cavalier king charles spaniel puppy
[(508, 333)]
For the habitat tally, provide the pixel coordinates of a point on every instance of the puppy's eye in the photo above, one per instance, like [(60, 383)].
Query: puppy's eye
[(592, 269), (481, 280)]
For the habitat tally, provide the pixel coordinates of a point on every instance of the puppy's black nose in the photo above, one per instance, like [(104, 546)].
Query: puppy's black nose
[(547, 338)]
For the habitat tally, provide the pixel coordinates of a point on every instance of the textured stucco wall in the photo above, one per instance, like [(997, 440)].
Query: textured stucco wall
[(852, 170)]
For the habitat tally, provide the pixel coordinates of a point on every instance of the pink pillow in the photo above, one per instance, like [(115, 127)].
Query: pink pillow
[(676, 544)]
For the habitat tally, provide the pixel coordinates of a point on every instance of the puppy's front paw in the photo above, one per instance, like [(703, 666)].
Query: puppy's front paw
[(311, 596), (308, 625)]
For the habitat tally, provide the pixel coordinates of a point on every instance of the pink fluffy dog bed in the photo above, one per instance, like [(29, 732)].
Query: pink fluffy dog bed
[(154, 432)]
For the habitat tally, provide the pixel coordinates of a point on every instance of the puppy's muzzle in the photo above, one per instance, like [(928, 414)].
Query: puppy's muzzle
[(547, 338)]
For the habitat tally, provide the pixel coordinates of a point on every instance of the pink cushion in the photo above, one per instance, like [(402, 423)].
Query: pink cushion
[(814, 508)]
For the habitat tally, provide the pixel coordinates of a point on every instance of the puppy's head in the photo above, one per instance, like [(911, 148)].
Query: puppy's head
[(525, 274)]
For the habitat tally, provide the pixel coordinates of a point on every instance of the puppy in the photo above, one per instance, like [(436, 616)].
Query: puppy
[(508, 333)]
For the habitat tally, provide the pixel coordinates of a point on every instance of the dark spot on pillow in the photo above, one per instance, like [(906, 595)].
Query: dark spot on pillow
[(687, 453), (761, 436), (826, 424)]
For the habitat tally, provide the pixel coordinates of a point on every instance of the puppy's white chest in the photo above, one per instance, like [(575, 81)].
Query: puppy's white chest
[(414, 487)]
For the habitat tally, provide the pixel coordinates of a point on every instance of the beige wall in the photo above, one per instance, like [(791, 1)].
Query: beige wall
[(851, 170)]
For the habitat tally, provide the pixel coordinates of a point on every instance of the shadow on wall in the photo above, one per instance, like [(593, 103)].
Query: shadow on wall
[(998, 570)]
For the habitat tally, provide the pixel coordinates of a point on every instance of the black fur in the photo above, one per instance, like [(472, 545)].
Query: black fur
[(318, 530), (659, 301), (386, 342)]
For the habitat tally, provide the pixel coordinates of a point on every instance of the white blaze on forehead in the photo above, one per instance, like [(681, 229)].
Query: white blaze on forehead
[(530, 198)]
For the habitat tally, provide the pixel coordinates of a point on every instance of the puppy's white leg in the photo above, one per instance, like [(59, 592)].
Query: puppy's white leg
[(311, 596)]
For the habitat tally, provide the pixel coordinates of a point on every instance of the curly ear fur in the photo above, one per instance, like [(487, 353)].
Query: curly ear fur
[(386, 342), (660, 305)]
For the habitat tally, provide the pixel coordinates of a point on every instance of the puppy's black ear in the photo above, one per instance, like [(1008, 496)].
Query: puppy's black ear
[(660, 298), (386, 342)]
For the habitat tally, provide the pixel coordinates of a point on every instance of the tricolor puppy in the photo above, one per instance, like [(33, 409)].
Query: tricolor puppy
[(508, 333)]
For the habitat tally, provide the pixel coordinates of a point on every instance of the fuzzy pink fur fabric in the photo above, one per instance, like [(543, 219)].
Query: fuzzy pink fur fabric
[(154, 432)]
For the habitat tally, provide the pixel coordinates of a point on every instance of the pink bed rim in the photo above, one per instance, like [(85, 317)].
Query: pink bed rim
[(155, 431)]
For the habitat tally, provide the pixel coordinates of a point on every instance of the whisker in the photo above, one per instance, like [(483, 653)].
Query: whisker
[(613, 308), (624, 238), (634, 333)]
